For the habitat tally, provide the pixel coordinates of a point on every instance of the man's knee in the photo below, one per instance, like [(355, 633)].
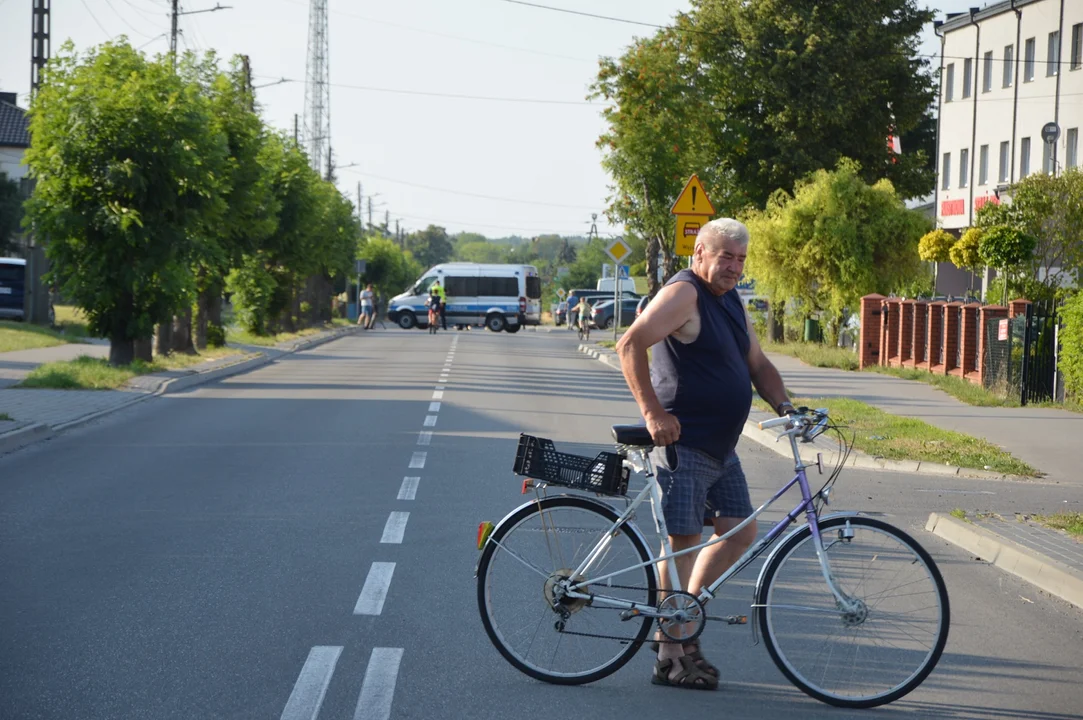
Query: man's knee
[(683, 542), (742, 538)]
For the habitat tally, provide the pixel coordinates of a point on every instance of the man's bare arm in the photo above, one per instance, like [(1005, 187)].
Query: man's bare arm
[(671, 308), (765, 375)]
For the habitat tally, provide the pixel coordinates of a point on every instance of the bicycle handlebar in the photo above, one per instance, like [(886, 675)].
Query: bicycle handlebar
[(774, 422)]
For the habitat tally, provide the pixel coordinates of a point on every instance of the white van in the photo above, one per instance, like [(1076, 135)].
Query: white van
[(500, 297)]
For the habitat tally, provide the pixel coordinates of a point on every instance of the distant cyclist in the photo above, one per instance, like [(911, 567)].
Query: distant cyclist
[(438, 289), (434, 303), (583, 310)]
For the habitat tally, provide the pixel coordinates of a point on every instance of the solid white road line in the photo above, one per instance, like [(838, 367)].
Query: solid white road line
[(395, 528), (311, 685), (417, 460), (409, 488), (374, 591), (424, 437), (434, 407), (430, 420), (438, 395), (378, 687)]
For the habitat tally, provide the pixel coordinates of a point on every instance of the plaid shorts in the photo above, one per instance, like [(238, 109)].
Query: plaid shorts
[(700, 488)]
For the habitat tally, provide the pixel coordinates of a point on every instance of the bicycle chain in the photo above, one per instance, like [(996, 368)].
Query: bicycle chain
[(617, 637)]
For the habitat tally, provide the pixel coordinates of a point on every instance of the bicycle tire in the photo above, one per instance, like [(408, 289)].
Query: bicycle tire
[(773, 590), (493, 551)]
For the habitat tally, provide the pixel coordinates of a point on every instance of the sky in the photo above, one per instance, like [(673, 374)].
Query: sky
[(497, 161)]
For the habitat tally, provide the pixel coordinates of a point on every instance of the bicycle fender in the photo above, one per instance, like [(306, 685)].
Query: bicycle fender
[(782, 543)]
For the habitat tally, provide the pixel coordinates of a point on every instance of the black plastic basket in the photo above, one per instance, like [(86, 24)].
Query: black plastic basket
[(537, 458)]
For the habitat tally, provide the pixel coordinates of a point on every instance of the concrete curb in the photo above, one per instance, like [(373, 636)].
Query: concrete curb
[(857, 459), (1043, 572), (26, 436)]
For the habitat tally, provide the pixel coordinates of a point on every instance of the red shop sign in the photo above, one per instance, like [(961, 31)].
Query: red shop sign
[(953, 207)]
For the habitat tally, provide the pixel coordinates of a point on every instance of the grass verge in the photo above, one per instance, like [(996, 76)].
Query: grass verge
[(957, 387), (24, 336), (71, 321), (1070, 522), (4, 417), (243, 337), (816, 355), (894, 437), (88, 373)]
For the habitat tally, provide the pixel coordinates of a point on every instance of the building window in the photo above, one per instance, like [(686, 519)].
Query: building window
[(1009, 62), (1077, 46), (987, 72), (1052, 54), (964, 167), (1071, 159), (1024, 158), (949, 83), (945, 172), (1005, 150), (983, 165), (1028, 60), (968, 69), (1047, 158)]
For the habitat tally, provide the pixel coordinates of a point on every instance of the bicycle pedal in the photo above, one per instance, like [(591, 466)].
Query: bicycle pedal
[(730, 619)]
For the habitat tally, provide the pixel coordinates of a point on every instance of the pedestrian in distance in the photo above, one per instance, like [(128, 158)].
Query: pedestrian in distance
[(434, 303), (367, 315), (695, 396)]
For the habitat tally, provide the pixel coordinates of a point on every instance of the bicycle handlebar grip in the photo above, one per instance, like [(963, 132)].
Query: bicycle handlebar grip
[(773, 422)]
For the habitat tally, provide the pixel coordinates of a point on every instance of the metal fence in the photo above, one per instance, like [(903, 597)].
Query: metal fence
[(1021, 355)]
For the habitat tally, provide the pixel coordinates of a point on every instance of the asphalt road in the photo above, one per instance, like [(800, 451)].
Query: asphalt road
[(227, 553)]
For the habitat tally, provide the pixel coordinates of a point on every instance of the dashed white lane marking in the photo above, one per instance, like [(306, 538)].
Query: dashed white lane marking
[(378, 687), (438, 395), (395, 528), (434, 407), (424, 437), (374, 591), (430, 421), (409, 488), (417, 460), (311, 685)]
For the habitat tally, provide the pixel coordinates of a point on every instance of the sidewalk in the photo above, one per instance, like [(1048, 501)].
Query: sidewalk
[(37, 414), (1044, 438)]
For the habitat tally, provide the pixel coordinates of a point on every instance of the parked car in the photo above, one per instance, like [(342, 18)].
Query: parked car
[(12, 287), (602, 313), (642, 304), (560, 315)]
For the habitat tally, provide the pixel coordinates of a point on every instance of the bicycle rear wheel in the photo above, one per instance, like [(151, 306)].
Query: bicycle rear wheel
[(543, 542), (869, 657)]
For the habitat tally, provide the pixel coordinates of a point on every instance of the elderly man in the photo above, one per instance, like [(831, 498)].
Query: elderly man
[(695, 396)]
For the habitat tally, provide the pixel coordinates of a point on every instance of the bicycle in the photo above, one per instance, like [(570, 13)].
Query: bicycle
[(583, 326), (584, 603), (434, 316)]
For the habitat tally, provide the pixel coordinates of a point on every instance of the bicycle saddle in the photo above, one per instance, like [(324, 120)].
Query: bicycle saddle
[(636, 435)]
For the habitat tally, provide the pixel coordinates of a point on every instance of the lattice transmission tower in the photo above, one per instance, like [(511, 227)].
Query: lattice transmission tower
[(317, 129)]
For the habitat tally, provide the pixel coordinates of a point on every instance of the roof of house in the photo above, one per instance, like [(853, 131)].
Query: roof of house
[(14, 126)]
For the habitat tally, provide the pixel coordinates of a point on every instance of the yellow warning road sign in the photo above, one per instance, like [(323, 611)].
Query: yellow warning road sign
[(693, 200), (687, 229)]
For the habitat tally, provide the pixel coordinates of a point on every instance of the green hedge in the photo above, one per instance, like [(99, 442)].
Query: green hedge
[(1071, 342)]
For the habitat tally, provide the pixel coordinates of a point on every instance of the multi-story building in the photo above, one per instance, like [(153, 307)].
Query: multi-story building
[(1006, 71)]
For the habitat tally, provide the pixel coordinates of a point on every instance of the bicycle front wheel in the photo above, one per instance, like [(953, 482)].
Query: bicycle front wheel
[(880, 650), (541, 544)]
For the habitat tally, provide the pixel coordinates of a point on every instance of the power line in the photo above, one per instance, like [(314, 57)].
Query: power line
[(467, 194), (452, 96), (95, 19), (125, 20), (586, 14), (535, 230)]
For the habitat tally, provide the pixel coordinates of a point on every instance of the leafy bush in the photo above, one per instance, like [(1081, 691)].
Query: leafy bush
[(216, 335), (935, 246), (1071, 357)]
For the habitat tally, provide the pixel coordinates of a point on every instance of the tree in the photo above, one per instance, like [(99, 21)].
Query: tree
[(430, 246), (833, 241), (935, 247), (127, 163), (11, 212), (965, 253), (795, 87), (387, 267), (1008, 249)]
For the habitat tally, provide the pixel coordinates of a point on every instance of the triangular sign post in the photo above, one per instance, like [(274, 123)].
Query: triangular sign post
[(693, 200)]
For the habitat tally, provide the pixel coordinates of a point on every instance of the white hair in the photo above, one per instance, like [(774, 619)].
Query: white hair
[(727, 228)]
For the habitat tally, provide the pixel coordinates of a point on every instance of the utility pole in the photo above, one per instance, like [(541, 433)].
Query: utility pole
[(359, 205), (295, 138), (173, 31), (317, 87), (370, 212), (40, 26)]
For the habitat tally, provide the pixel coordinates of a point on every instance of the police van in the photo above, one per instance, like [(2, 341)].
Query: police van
[(500, 297)]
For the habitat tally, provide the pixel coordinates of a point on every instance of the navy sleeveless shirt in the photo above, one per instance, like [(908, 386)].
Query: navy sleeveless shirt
[(706, 383)]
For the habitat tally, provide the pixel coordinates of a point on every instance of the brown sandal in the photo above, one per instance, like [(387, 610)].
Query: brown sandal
[(691, 677), (697, 657)]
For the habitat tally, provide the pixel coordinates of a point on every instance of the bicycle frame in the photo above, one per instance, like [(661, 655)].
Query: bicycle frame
[(654, 492)]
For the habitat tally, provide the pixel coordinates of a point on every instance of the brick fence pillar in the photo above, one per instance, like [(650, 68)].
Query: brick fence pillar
[(891, 317), (936, 336), (870, 334), (1017, 307), (906, 333), (968, 336), (952, 332), (919, 341), (990, 315)]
